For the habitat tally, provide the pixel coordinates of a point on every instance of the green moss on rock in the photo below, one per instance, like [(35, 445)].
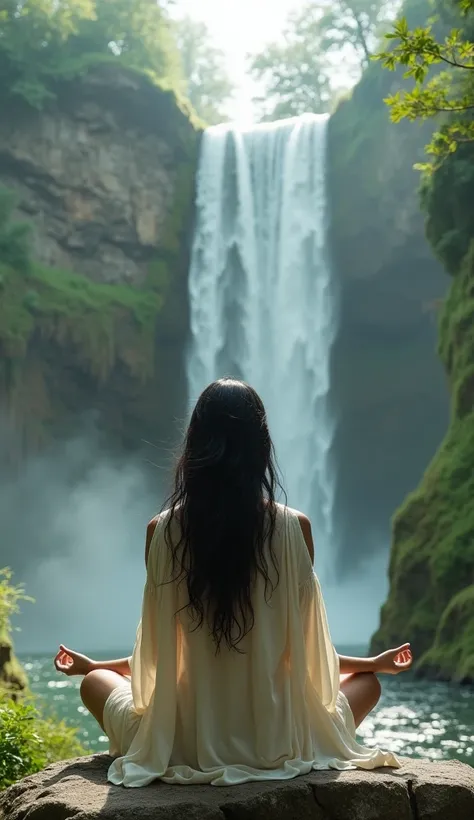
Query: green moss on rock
[(69, 343), (431, 599), (452, 655), (13, 677), (103, 323)]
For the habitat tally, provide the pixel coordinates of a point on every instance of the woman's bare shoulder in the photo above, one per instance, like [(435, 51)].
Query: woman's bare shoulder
[(150, 531), (303, 519), (305, 525)]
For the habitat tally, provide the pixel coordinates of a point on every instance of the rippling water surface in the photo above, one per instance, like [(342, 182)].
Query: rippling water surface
[(414, 718)]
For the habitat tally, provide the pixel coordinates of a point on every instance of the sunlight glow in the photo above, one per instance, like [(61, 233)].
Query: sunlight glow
[(240, 27)]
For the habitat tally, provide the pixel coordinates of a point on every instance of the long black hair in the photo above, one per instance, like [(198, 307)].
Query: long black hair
[(224, 501)]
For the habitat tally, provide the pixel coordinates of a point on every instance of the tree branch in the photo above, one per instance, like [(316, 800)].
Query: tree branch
[(363, 41), (455, 64), (436, 110)]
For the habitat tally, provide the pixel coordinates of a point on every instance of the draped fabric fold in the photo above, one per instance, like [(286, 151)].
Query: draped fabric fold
[(273, 711)]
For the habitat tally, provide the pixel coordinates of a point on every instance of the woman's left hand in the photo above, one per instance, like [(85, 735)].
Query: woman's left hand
[(394, 661), (72, 663)]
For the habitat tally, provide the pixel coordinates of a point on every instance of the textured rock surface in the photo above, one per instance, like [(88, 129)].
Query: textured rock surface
[(431, 596), (96, 173), (105, 175), (78, 789), (12, 675), (389, 390)]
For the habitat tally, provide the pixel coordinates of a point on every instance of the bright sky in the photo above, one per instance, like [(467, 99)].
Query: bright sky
[(239, 27)]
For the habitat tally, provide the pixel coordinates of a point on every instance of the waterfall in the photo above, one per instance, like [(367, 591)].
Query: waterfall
[(261, 297)]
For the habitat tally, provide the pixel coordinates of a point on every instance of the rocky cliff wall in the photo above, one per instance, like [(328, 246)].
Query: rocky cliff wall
[(389, 392), (432, 557), (105, 176)]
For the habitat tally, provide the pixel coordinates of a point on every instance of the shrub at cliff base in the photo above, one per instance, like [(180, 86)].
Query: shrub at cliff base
[(28, 740)]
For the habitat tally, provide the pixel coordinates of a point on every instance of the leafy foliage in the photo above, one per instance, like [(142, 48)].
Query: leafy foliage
[(324, 40), (10, 597), (448, 93), (20, 744), (288, 90), (43, 41), (293, 74), (28, 741), (350, 29), (33, 37), (206, 83)]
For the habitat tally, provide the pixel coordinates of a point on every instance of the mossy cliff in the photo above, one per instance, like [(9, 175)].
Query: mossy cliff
[(431, 599), (105, 176), (389, 392)]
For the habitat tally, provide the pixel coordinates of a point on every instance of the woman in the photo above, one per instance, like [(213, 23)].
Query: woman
[(233, 675)]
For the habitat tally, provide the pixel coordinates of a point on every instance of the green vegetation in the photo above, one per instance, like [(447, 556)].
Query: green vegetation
[(10, 596), (206, 82), (13, 236), (453, 649), (446, 94), (44, 43), (433, 557), (12, 675), (102, 323), (432, 561), (322, 41), (106, 332), (28, 741)]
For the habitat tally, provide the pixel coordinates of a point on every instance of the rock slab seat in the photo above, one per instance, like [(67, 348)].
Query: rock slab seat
[(78, 790)]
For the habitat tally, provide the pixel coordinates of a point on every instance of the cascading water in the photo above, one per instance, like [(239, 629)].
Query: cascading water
[(261, 296)]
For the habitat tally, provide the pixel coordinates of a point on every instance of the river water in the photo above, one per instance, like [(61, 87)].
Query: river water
[(414, 718)]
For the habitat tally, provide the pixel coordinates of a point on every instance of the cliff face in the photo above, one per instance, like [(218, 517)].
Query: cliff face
[(432, 559), (389, 391), (105, 176)]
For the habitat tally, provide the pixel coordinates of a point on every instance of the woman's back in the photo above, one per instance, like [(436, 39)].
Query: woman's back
[(270, 709), (238, 700)]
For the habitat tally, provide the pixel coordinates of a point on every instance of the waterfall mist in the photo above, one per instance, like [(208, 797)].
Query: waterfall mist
[(72, 527)]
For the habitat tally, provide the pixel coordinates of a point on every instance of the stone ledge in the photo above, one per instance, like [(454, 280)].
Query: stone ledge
[(77, 790)]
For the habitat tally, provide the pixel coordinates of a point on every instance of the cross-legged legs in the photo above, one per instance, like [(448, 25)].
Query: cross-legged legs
[(96, 688), (363, 691)]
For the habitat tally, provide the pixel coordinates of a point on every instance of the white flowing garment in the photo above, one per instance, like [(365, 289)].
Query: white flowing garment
[(274, 711)]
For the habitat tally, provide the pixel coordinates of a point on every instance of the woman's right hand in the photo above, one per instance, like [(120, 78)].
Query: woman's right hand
[(72, 663), (394, 661)]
